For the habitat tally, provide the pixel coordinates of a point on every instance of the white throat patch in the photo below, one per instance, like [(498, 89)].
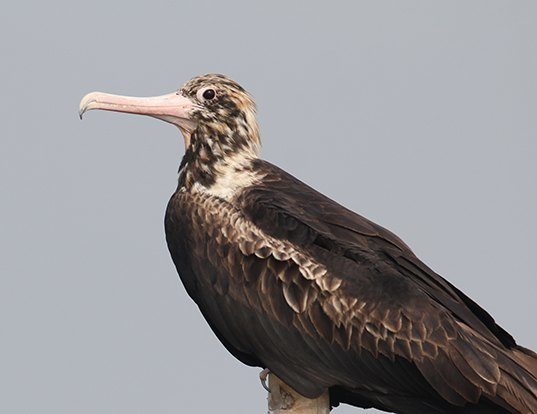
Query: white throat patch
[(232, 174)]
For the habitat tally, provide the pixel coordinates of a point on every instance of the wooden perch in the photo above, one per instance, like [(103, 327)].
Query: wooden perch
[(282, 399)]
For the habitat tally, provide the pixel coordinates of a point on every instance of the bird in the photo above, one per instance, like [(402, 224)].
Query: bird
[(293, 282)]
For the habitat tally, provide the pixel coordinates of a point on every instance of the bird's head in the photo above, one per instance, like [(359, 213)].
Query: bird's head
[(215, 114)]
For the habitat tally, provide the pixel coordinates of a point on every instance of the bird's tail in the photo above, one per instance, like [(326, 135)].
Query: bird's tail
[(526, 357), (517, 387), (506, 376)]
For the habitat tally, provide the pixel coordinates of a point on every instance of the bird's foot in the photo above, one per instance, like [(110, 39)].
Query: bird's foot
[(263, 378)]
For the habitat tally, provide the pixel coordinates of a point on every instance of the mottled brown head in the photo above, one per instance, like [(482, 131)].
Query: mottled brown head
[(224, 114), (217, 119), (209, 110)]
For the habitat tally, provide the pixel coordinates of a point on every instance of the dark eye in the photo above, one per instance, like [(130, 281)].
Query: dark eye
[(209, 94)]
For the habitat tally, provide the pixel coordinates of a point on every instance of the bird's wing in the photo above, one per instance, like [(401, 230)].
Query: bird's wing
[(286, 208), (403, 308), (292, 281)]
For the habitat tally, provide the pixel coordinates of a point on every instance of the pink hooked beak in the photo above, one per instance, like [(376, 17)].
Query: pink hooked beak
[(173, 107)]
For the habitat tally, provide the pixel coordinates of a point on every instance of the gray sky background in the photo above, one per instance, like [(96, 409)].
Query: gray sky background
[(421, 115)]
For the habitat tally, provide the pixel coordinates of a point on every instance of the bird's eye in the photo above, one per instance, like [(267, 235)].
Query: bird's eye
[(209, 94)]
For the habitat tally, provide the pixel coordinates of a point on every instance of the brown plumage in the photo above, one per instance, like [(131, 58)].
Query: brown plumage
[(292, 281)]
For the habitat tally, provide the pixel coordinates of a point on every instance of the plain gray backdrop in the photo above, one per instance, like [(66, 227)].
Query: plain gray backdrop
[(421, 115)]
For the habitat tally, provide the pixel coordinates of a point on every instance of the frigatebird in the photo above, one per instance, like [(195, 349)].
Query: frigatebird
[(293, 282)]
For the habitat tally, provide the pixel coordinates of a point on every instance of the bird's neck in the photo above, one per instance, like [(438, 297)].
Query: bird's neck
[(219, 163)]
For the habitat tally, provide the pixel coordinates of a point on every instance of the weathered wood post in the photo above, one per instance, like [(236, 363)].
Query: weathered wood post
[(282, 399)]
